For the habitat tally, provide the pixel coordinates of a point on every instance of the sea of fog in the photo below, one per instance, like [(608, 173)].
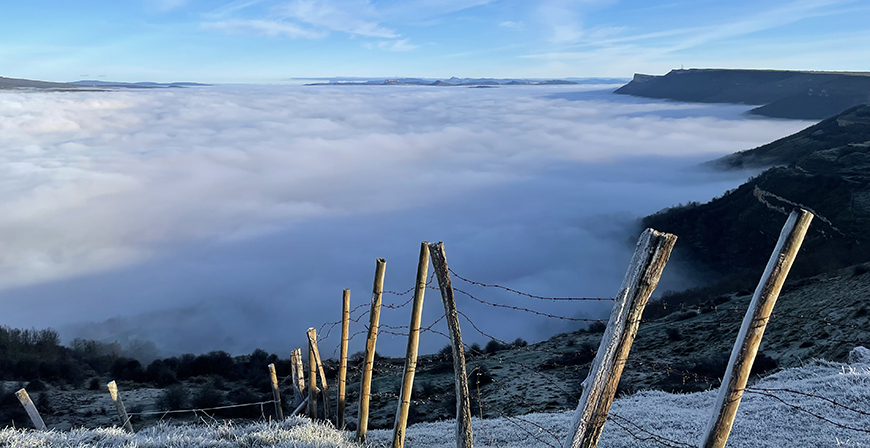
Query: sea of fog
[(230, 218)]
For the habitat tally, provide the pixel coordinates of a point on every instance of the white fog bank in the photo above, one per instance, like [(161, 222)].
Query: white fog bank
[(232, 217)]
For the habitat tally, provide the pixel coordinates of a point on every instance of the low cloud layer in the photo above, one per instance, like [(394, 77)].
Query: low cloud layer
[(232, 217)]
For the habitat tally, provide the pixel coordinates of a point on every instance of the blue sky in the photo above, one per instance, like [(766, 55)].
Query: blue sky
[(269, 41)]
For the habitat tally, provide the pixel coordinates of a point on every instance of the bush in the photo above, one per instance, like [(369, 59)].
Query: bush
[(35, 386), (493, 346), (674, 334), (173, 398), (94, 384), (519, 342), (597, 327), (584, 355), (480, 376), (207, 396)]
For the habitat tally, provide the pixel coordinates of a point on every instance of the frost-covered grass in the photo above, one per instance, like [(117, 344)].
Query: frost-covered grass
[(761, 422)]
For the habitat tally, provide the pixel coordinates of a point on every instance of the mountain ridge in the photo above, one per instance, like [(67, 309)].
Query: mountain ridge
[(778, 93)]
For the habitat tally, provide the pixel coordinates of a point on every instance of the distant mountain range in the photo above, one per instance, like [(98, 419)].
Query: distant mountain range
[(16, 83), (454, 81), (93, 83), (780, 93)]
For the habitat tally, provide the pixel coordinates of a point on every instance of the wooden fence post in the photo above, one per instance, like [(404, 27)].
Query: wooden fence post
[(294, 375), (276, 393), (650, 256), (299, 372), (31, 410), (752, 328), (342, 362), (464, 436), (312, 384), (312, 344), (119, 405), (411, 353), (365, 388)]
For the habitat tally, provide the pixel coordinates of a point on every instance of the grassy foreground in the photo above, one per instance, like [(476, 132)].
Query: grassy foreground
[(763, 421)]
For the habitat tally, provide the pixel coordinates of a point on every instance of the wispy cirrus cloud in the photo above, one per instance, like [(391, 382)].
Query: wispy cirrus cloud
[(263, 27), (351, 17)]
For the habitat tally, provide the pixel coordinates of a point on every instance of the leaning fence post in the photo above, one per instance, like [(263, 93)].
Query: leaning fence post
[(31, 410), (276, 393), (119, 405), (342, 362), (650, 256), (464, 436), (411, 353), (312, 344), (365, 388), (752, 328)]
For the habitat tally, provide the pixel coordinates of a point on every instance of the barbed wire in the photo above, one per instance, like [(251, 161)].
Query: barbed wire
[(525, 294), (527, 310), (807, 411)]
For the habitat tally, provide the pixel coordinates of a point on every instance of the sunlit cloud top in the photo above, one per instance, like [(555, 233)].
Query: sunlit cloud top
[(270, 41)]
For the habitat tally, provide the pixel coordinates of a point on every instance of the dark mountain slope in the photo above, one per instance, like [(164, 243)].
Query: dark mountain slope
[(847, 128), (783, 94), (828, 173)]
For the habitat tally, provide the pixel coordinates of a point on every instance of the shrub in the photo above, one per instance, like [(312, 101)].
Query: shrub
[(35, 386), (860, 269), (173, 398), (94, 384), (519, 342), (674, 334), (763, 363), (597, 327), (207, 396), (480, 376), (493, 346)]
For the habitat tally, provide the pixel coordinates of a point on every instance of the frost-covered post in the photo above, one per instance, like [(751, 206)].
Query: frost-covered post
[(752, 328), (31, 410), (411, 352), (312, 344), (119, 405), (297, 376), (342, 361), (365, 388), (276, 393), (650, 256), (464, 436)]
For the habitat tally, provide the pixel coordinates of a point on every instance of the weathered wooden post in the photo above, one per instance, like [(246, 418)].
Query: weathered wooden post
[(650, 256), (365, 388), (411, 353), (312, 384), (31, 410), (276, 393), (464, 436), (342, 362), (299, 378), (752, 328), (312, 344), (119, 405)]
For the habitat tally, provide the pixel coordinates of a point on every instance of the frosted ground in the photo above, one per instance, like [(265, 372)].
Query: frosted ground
[(761, 421)]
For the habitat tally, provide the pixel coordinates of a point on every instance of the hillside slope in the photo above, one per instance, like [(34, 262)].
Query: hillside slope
[(828, 173), (781, 94)]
